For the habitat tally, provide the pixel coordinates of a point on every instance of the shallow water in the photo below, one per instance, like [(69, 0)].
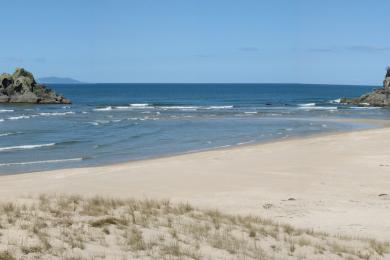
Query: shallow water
[(110, 123)]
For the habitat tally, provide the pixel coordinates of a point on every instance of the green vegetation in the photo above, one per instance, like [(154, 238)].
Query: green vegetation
[(73, 227)]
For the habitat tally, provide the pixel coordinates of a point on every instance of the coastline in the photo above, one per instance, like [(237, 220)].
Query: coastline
[(322, 182), (371, 124)]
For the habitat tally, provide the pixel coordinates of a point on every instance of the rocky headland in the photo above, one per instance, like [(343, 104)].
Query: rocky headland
[(21, 87), (378, 97)]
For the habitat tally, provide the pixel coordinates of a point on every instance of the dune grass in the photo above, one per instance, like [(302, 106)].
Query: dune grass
[(75, 227)]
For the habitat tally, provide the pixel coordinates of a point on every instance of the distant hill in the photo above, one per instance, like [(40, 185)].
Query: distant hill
[(58, 80)]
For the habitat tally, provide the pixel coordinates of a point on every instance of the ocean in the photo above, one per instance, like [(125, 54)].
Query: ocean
[(111, 123)]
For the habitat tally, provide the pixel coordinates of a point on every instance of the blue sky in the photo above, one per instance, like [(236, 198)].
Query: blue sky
[(307, 41)]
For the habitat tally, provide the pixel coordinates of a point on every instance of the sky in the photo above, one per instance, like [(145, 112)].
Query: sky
[(172, 41)]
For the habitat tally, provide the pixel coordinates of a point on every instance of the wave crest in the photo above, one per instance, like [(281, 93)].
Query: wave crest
[(307, 105), (25, 147), (18, 117), (56, 114)]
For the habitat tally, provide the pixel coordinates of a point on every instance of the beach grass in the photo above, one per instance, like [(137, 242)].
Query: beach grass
[(76, 227)]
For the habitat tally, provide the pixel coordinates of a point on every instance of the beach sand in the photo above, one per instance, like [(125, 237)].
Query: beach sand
[(337, 183)]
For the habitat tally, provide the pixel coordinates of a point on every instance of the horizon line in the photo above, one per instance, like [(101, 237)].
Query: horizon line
[(217, 83)]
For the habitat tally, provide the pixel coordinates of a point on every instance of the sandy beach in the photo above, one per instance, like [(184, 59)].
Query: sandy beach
[(336, 183)]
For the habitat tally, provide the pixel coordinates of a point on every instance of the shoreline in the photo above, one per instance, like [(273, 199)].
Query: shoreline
[(322, 182), (375, 124)]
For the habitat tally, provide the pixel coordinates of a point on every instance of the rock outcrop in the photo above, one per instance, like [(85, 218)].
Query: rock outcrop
[(21, 87), (378, 97)]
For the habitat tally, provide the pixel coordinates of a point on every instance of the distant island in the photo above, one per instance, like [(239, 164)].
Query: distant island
[(58, 80), (21, 87)]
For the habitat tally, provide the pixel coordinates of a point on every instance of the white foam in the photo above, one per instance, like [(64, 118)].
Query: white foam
[(318, 108), (18, 117), (148, 106), (42, 162), (6, 110), (219, 107), (248, 142), (24, 147), (103, 108), (1, 120), (102, 121), (223, 146), (6, 134), (139, 105), (180, 107), (189, 109), (307, 105), (9, 133), (250, 112), (121, 107), (56, 114), (193, 108), (131, 106), (336, 101)]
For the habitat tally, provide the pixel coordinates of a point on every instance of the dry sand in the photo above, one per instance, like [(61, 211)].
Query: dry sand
[(334, 183)]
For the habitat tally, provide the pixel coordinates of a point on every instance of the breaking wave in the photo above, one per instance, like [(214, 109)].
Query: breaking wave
[(56, 114), (336, 101), (18, 117), (139, 105), (25, 147), (163, 107), (318, 108), (9, 133), (103, 108), (307, 105)]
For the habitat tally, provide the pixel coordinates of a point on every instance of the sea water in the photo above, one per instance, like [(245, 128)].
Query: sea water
[(111, 123)]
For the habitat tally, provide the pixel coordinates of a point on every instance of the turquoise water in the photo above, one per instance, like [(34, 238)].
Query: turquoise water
[(110, 123)]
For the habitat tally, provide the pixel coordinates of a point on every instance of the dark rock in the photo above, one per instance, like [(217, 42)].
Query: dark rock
[(19, 72), (378, 97), (21, 87), (23, 84), (27, 97), (5, 81)]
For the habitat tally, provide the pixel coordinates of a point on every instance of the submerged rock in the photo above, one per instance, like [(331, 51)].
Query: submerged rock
[(21, 87), (378, 97)]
